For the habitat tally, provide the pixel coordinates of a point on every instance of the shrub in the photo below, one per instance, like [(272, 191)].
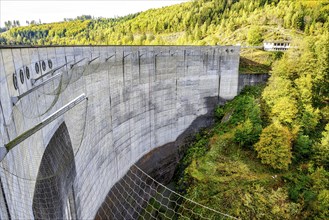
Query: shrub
[(254, 36), (219, 113), (274, 146), (302, 147), (247, 133)]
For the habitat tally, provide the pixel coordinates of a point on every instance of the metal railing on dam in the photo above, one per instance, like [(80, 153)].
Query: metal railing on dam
[(139, 98)]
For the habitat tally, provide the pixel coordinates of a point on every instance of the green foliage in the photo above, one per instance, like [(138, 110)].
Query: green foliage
[(247, 133), (246, 116), (225, 174), (254, 91), (197, 147), (303, 147), (277, 55), (322, 149), (309, 119), (156, 208), (285, 110), (274, 146), (293, 96), (228, 174), (277, 88), (300, 188), (280, 96), (244, 107), (196, 22), (219, 113), (257, 61), (310, 190), (293, 108), (260, 203), (322, 205), (320, 179), (255, 36)]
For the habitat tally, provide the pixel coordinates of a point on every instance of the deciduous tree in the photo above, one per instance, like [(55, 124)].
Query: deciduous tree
[(274, 146)]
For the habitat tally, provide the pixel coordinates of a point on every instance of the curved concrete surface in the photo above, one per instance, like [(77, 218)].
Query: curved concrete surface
[(139, 98)]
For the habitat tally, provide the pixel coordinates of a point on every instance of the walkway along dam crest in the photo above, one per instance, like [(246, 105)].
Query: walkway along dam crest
[(74, 120)]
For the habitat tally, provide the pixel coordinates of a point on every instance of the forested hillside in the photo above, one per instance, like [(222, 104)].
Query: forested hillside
[(199, 22)]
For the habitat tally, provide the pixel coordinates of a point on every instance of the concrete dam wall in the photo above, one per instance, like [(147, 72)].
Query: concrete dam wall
[(138, 99)]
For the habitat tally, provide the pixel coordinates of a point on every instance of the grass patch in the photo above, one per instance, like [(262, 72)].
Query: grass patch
[(254, 61)]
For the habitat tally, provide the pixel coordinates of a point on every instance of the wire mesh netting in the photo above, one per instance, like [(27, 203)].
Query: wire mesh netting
[(138, 196)]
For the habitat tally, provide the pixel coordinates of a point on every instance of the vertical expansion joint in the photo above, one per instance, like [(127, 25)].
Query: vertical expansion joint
[(139, 66), (185, 63), (155, 66)]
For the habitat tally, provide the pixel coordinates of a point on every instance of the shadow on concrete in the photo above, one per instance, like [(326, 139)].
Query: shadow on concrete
[(53, 196), (160, 164)]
